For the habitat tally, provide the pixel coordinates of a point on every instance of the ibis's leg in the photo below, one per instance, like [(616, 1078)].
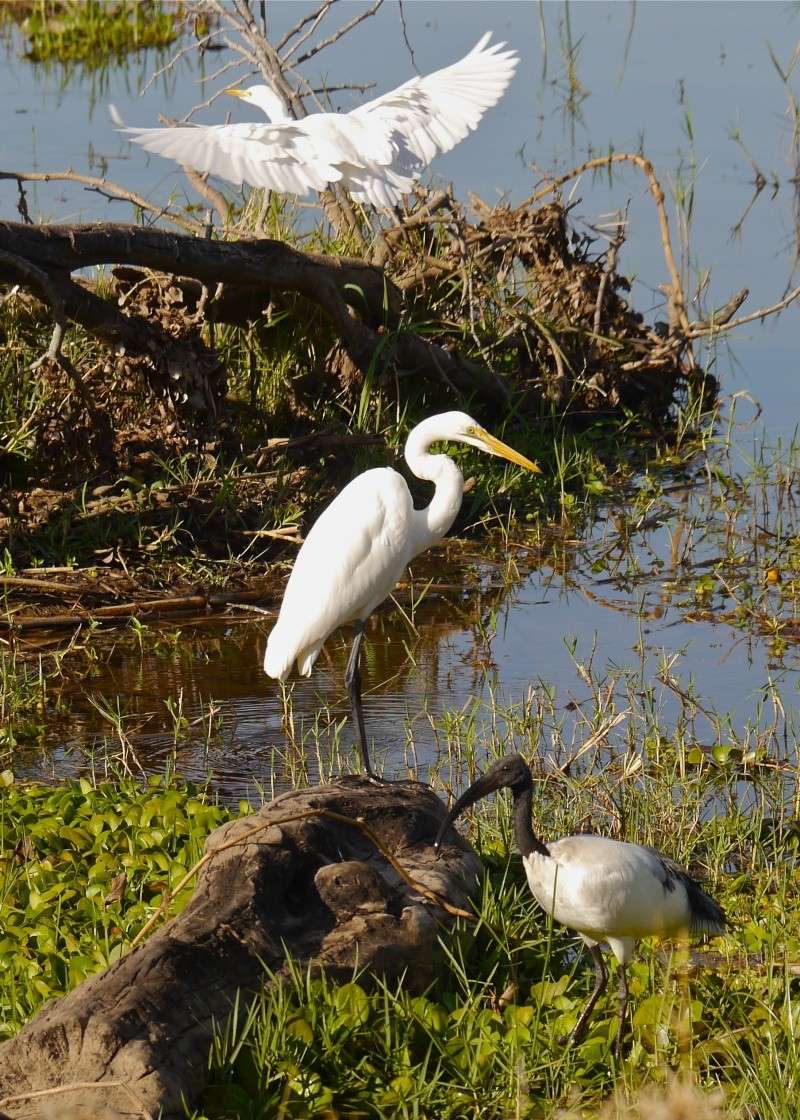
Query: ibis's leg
[(600, 981), (352, 679), (623, 1010)]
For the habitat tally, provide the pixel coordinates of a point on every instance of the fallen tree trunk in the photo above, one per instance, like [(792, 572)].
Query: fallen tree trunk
[(307, 875), (361, 301)]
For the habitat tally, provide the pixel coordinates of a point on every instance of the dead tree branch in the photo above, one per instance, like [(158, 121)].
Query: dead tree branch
[(112, 191), (678, 316), (338, 286)]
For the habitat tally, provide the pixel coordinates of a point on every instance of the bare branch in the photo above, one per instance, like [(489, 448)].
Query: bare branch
[(298, 27), (697, 330), (209, 193), (109, 190), (354, 22), (355, 87), (406, 40), (322, 12), (608, 271)]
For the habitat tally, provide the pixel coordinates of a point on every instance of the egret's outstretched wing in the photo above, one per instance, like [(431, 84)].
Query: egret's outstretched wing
[(375, 152), (433, 113), (350, 561), (280, 157)]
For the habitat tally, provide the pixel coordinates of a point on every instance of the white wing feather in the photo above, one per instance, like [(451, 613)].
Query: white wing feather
[(280, 157), (376, 152), (351, 559), (433, 113)]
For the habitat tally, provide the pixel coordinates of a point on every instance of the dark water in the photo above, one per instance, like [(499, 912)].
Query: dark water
[(676, 79)]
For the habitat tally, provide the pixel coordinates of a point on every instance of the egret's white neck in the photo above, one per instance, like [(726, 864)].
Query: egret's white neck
[(270, 104), (434, 520)]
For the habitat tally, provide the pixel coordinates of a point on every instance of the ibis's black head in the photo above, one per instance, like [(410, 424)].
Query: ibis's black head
[(512, 772)]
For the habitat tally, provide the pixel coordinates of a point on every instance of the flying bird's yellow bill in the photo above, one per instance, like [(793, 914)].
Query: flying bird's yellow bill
[(497, 447)]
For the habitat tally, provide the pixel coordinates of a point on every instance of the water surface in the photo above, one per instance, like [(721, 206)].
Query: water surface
[(676, 80)]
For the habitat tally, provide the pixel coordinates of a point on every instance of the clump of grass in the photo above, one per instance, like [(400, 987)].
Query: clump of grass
[(92, 32)]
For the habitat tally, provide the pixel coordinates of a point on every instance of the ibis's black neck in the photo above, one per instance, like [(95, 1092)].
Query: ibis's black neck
[(527, 840)]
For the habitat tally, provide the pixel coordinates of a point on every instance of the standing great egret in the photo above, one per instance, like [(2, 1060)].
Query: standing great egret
[(606, 890), (376, 152), (358, 548)]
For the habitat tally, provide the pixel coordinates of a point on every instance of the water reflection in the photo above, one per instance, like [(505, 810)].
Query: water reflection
[(612, 639)]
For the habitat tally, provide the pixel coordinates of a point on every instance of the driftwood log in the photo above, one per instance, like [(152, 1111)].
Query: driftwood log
[(134, 1040), (359, 298)]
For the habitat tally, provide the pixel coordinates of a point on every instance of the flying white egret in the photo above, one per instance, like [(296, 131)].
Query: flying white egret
[(606, 890), (358, 548), (376, 152)]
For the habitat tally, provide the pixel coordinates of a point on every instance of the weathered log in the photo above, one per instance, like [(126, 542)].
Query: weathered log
[(134, 1040), (360, 300)]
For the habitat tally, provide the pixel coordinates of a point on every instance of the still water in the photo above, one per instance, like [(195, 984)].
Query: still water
[(693, 86)]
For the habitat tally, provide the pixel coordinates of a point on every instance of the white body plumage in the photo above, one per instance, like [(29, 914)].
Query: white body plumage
[(359, 546), (608, 890), (376, 152), (353, 556)]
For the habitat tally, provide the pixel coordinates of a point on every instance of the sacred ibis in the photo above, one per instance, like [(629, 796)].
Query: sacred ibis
[(606, 890)]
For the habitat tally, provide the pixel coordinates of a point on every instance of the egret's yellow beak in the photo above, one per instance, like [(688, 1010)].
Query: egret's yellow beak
[(236, 92), (497, 447)]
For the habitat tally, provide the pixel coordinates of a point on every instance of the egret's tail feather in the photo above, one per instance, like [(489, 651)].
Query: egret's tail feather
[(306, 658), (278, 656), (281, 654)]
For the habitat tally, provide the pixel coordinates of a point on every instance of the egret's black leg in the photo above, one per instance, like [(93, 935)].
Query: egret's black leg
[(352, 679), (600, 981), (623, 1010)]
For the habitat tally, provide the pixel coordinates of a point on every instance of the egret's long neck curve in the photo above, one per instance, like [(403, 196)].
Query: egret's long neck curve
[(432, 522)]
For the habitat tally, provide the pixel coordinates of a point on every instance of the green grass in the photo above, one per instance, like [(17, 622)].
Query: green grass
[(482, 1042), (92, 32)]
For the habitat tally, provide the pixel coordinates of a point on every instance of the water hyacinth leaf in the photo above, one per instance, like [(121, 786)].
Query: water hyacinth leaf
[(299, 1027), (519, 1016), (431, 1015), (650, 1011), (353, 1005), (546, 992)]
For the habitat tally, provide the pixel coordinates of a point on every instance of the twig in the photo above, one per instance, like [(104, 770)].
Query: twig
[(677, 298), (697, 330), (409, 48), (39, 585), (113, 191), (354, 22), (316, 18), (351, 87), (298, 27), (292, 537), (608, 271)]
